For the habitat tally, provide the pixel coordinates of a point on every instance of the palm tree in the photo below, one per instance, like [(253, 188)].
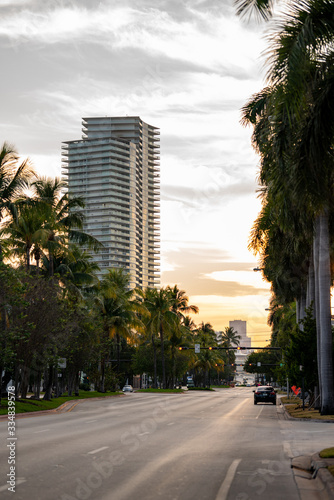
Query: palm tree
[(75, 267), (63, 218), (180, 302), (207, 359), (301, 76), (121, 311), (23, 235), (262, 7), (163, 320), (14, 178)]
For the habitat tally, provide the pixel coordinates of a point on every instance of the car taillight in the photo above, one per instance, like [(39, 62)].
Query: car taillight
[(272, 393)]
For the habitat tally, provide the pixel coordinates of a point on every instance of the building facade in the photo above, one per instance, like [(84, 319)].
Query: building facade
[(241, 328), (241, 356), (115, 168)]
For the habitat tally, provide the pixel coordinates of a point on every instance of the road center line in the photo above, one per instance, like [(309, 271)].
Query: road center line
[(225, 487), (44, 430), (236, 409), (90, 421), (96, 451), (259, 413)]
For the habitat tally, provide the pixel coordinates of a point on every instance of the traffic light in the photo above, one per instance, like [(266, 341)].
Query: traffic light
[(183, 348)]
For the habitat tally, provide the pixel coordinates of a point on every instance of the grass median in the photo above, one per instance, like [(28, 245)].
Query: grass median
[(31, 405), (294, 407)]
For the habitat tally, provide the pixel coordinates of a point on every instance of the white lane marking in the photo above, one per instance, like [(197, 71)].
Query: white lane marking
[(44, 430), (143, 433), (96, 451), (19, 480), (259, 413), (236, 409), (225, 487), (90, 421), (171, 423)]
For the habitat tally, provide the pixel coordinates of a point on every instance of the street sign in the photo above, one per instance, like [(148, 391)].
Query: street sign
[(197, 348), (258, 363)]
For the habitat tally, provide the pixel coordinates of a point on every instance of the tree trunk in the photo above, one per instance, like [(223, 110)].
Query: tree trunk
[(310, 292), (163, 357), (316, 247), (118, 352), (28, 258), (326, 337), (155, 384), (102, 376), (48, 389), (37, 388), (302, 302), (51, 270), (25, 372), (70, 380)]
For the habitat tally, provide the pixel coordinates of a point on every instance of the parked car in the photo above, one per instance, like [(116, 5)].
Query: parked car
[(264, 394), (127, 388)]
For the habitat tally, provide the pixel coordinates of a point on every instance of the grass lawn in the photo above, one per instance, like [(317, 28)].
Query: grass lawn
[(295, 408), (327, 453), (29, 405)]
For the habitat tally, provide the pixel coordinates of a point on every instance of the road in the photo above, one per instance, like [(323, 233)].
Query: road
[(198, 445)]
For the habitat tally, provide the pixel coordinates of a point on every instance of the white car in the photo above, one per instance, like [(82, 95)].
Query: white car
[(127, 388)]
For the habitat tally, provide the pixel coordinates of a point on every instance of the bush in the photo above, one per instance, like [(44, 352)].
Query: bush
[(84, 387)]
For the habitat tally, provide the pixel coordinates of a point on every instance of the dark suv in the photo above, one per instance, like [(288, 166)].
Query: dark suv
[(265, 394)]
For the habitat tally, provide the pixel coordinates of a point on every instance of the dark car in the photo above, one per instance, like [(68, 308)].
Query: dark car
[(265, 394)]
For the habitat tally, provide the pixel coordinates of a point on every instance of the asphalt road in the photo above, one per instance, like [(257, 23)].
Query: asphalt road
[(198, 445)]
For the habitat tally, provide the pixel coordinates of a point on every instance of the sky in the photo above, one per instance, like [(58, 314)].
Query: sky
[(185, 66)]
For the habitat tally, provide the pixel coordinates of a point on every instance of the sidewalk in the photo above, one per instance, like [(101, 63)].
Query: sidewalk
[(312, 477)]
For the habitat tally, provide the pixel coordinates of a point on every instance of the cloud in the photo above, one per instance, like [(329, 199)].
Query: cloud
[(212, 193), (193, 267)]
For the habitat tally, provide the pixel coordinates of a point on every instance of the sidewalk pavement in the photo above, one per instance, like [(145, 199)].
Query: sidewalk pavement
[(312, 477)]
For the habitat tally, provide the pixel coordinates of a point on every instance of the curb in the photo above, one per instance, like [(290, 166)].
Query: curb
[(312, 476), (319, 466)]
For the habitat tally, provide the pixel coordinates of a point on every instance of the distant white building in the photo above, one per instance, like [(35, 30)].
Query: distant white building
[(241, 356), (241, 328)]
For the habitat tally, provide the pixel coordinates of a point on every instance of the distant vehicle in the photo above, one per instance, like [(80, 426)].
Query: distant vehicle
[(127, 388), (190, 382), (265, 394)]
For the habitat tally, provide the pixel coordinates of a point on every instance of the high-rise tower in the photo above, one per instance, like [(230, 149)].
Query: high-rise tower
[(115, 168)]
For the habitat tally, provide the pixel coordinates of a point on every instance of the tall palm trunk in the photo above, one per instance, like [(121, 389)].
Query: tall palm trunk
[(323, 282), (118, 351), (163, 357), (51, 270), (28, 258), (310, 292), (155, 384), (316, 247)]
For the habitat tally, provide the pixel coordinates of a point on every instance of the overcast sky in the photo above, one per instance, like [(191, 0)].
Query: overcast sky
[(185, 66)]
